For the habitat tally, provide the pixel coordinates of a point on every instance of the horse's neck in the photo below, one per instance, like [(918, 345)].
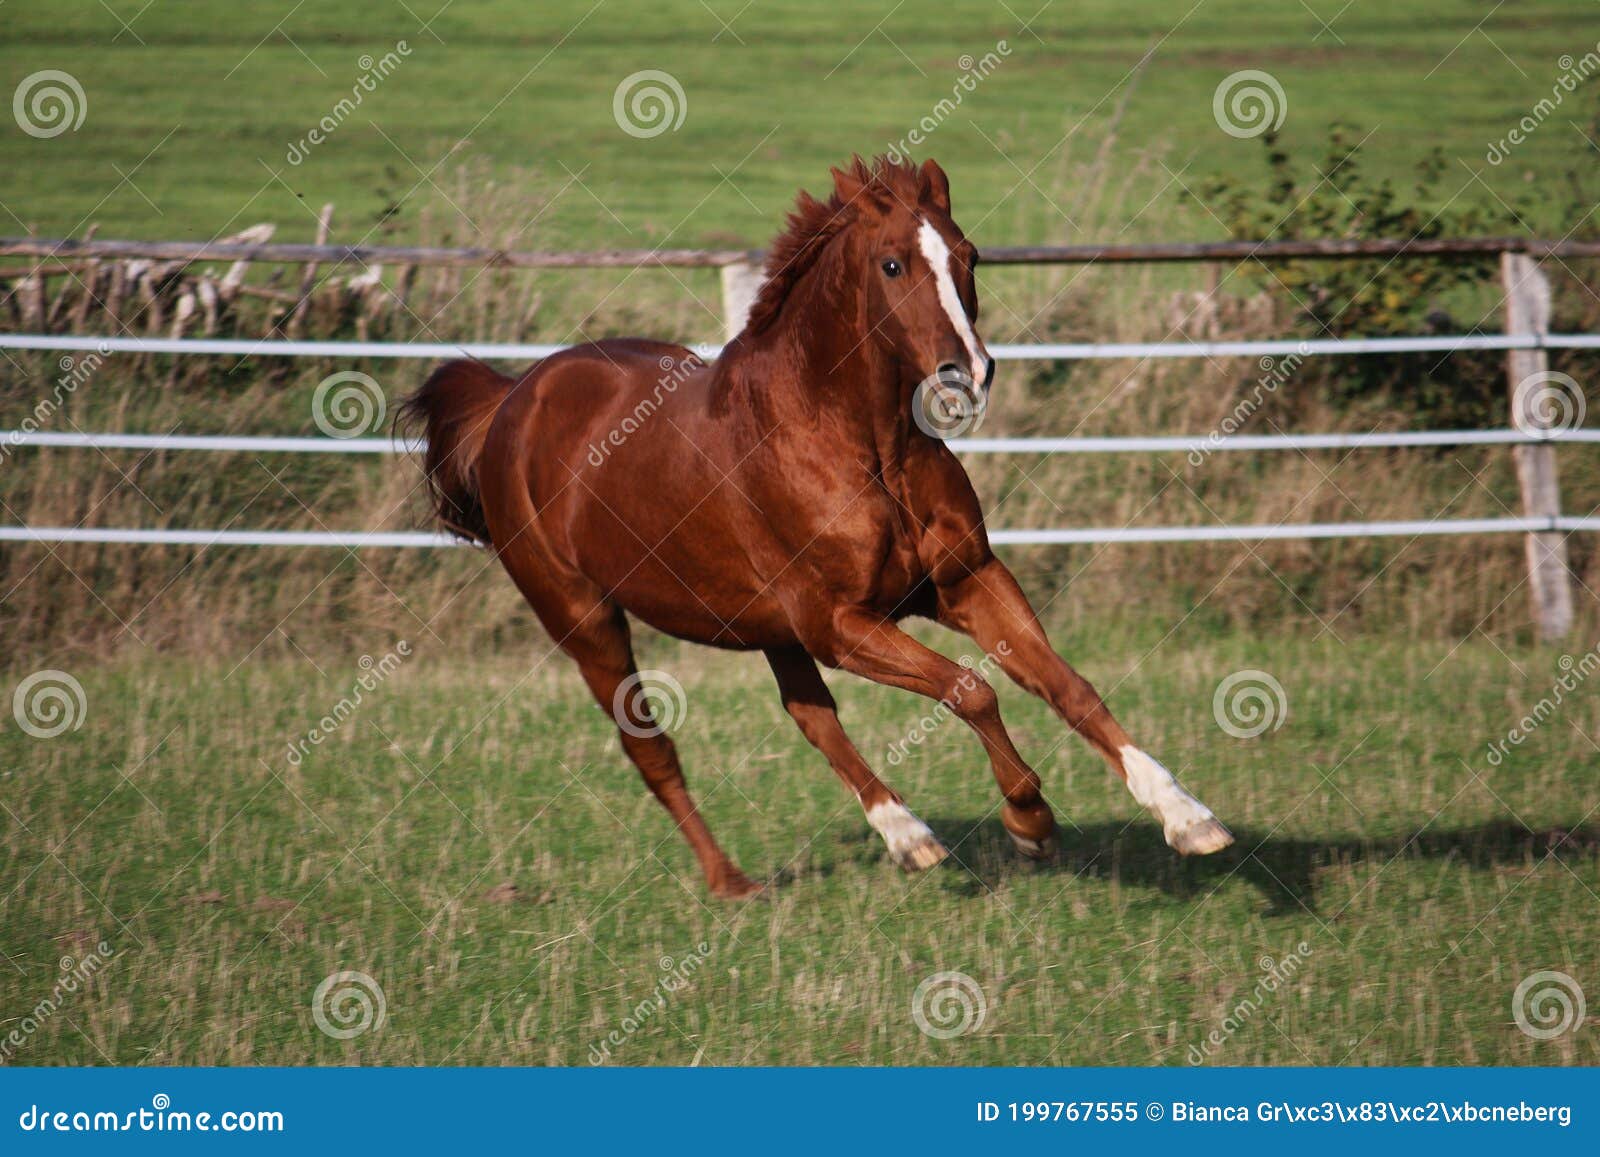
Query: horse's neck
[(814, 360), (810, 372)]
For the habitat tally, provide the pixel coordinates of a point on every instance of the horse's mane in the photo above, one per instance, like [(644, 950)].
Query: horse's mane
[(812, 224)]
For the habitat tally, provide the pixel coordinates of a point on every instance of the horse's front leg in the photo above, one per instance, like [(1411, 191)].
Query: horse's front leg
[(989, 606)]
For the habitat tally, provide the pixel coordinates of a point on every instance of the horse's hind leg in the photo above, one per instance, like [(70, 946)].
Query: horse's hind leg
[(808, 701), (601, 643)]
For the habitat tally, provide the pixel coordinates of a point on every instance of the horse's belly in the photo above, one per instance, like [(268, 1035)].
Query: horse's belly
[(693, 581), (705, 609)]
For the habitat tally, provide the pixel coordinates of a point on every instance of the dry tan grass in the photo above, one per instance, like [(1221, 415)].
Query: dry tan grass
[(93, 599)]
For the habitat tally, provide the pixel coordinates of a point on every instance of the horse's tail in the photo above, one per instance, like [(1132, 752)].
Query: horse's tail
[(454, 408)]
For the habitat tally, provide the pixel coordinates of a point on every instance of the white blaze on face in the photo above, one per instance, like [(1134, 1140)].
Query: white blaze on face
[(937, 254)]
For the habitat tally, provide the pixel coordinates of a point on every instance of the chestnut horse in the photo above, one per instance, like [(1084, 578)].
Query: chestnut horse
[(780, 499)]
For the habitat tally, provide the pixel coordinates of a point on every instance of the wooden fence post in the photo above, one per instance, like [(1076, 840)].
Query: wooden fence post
[(1528, 312), (308, 277), (741, 281)]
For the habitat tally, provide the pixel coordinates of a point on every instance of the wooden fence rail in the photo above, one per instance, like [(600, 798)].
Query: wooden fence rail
[(290, 253)]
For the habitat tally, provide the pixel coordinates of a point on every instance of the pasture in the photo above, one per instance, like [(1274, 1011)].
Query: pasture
[(473, 840), (190, 122), (469, 835)]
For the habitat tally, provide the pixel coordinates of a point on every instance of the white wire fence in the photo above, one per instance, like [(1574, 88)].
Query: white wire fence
[(1526, 343), (1207, 444), (359, 540), (509, 351)]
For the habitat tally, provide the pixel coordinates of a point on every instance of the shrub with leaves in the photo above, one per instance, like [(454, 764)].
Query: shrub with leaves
[(1380, 297)]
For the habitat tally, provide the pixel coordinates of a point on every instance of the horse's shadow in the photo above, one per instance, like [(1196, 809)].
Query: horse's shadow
[(1283, 868)]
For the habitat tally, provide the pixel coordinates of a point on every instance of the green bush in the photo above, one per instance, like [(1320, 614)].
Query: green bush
[(1379, 297)]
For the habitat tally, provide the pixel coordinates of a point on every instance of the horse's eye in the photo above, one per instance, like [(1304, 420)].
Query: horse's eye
[(891, 268)]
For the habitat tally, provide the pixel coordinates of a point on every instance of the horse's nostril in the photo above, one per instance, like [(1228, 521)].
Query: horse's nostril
[(988, 372), (951, 370)]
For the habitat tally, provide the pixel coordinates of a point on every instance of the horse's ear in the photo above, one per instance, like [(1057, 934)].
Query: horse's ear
[(933, 186), (849, 181)]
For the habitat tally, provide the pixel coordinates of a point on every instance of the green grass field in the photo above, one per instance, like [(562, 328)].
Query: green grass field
[(471, 837), (190, 115), (1413, 883)]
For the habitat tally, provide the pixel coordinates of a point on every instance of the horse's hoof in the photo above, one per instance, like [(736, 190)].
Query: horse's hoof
[(1041, 850), (736, 887), (1200, 838), (919, 856), (1033, 830), (911, 842)]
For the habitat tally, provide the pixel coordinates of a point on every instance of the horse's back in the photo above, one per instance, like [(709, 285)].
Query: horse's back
[(626, 476)]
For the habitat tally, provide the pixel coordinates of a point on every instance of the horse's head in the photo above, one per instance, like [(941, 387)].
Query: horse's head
[(916, 272), (885, 242)]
